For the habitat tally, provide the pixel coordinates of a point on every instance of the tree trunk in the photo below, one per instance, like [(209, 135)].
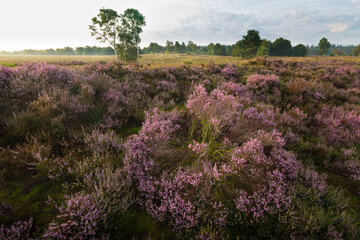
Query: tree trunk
[(137, 49)]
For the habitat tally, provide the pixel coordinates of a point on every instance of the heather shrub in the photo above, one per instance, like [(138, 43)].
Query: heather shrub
[(6, 76), (79, 218), (339, 126), (102, 142), (181, 152), (113, 69), (264, 87), (262, 83), (110, 189), (215, 111), (18, 230), (40, 156), (125, 100), (230, 71)]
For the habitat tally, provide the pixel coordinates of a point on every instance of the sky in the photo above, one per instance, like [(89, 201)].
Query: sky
[(42, 24)]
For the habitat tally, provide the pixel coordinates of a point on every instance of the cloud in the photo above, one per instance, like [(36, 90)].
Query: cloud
[(300, 25), (338, 27)]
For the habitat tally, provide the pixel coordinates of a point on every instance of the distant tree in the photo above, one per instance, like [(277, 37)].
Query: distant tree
[(281, 47), (169, 47), (182, 48), (80, 51), (211, 49), (264, 49), (132, 22), (65, 51), (177, 47), (191, 47), (107, 51), (356, 51), (89, 50), (300, 50), (219, 50), (229, 50), (49, 51), (154, 48), (248, 46), (203, 50), (106, 27), (324, 46)]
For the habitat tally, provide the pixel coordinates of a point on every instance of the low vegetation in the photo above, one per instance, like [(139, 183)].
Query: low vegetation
[(266, 148)]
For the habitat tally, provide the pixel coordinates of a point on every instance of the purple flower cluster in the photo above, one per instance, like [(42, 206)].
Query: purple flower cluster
[(230, 71), (18, 230), (262, 83), (339, 126), (79, 218)]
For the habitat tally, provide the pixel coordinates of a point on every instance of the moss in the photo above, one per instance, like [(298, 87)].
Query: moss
[(136, 224), (29, 198)]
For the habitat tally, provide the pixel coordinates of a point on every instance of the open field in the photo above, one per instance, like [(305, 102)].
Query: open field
[(154, 60), (266, 148), (17, 59)]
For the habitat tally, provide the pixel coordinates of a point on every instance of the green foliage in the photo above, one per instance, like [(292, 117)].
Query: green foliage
[(105, 26), (219, 50), (132, 22), (264, 49), (248, 46), (128, 54), (300, 51), (356, 51), (169, 47), (281, 47), (122, 32), (324, 46)]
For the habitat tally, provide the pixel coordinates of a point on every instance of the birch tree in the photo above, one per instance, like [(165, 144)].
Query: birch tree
[(106, 27)]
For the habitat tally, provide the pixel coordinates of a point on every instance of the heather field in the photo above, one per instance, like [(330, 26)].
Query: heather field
[(180, 147), (149, 60), (156, 60)]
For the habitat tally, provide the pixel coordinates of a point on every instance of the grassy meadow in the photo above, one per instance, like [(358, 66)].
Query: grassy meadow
[(155, 60)]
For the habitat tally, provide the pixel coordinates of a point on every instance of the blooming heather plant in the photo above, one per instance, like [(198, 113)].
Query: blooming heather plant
[(79, 218), (268, 149), (18, 230), (101, 142), (262, 83), (110, 189), (339, 126), (197, 147), (230, 71)]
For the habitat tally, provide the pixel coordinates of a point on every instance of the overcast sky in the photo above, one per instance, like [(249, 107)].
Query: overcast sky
[(41, 24)]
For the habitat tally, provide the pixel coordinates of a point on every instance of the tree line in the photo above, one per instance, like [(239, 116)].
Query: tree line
[(252, 45), (188, 48), (88, 50)]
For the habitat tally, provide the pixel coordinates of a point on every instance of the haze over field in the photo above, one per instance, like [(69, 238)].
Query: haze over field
[(41, 24)]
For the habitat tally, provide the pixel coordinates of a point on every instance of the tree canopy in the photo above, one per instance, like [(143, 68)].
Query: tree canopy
[(281, 47), (122, 32), (356, 51), (300, 50), (248, 46), (324, 46), (105, 26), (132, 22)]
